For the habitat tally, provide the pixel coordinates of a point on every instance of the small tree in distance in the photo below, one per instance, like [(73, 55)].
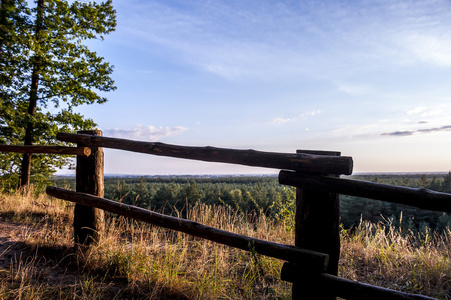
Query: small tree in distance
[(446, 185), (46, 71)]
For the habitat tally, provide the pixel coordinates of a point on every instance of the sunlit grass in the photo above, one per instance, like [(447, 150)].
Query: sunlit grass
[(382, 255), (136, 260)]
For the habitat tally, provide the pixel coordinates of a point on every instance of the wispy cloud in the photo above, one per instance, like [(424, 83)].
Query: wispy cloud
[(301, 116), (416, 110), (262, 38), (435, 49), (310, 113), (280, 120), (353, 89), (144, 133), (419, 131), (425, 111)]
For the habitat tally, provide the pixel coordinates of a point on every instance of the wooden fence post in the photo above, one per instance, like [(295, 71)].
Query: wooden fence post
[(88, 221), (317, 228)]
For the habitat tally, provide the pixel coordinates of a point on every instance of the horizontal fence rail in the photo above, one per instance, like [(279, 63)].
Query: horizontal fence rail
[(311, 260), (350, 289), (85, 151), (421, 198), (313, 164)]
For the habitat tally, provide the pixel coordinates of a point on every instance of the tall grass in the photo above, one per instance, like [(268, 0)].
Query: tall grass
[(137, 261), (153, 259), (383, 255)]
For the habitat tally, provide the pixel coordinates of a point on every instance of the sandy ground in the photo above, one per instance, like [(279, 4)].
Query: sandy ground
[(12, 246), (51, 264)]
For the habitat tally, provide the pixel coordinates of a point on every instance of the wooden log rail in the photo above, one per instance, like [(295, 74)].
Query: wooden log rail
[(421, 198), (310, 260), (84, 151), (348, 289), (306, 163)]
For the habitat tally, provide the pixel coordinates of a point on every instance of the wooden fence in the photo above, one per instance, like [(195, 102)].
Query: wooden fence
[(311, 264)]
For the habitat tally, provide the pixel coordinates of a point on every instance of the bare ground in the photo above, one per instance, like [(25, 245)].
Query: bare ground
[(16, 252), (58, 269)]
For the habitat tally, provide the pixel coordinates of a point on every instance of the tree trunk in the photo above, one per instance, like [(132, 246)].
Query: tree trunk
[(28, 140)]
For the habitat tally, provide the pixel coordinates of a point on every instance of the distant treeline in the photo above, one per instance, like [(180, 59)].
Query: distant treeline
[(172, 195), (407, 217)]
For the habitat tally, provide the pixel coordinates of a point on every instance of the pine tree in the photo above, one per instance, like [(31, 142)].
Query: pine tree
[(423, 181), (46, 71), (435, 184), (446, 185)]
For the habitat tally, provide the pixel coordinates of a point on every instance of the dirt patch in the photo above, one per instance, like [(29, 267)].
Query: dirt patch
[(53, 264), (12, 244)]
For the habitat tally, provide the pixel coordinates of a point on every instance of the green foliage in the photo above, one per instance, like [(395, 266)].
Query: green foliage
[(446, 185), (408, 218), (264, 195), (42, 55)]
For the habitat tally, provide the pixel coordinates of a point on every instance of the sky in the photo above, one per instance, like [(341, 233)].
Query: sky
[(370, 79)]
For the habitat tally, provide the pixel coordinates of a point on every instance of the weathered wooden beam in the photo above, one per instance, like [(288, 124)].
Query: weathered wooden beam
[(421, 198), (85, 151), (345, 288), (317, 222), (309, 259), (307, 163), (89, 178)]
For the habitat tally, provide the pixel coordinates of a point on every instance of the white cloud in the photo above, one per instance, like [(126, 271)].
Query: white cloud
[(416, 110), (302, 116), (310, 113), (280, 120), (144, 133), (432, 49), (425, 111)]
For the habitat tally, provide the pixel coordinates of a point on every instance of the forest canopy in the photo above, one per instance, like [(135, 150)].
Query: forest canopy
[(46, 71), (264, 195)]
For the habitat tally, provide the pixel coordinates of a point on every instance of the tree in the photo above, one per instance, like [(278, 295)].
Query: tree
[(13, 27), (446, 185), (51, 72), (423, 181), (435, 184)]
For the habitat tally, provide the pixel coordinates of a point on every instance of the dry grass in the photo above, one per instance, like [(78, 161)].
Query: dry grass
[(382, 255), (138, 261), (156, 262), (134, 260)]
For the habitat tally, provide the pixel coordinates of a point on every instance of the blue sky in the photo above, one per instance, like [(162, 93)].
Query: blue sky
[(368, 78)]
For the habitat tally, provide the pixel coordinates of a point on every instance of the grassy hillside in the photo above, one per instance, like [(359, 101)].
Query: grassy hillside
[(138, 261)]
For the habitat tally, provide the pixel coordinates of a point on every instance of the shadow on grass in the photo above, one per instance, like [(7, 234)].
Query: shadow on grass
[(31, 272)]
